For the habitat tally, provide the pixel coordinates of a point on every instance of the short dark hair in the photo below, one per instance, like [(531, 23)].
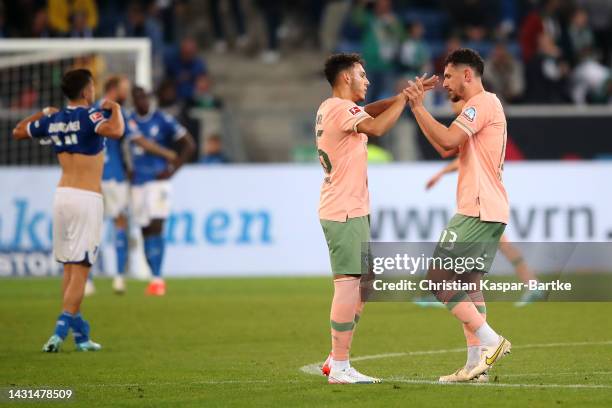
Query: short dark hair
[(466, 56), (73, 82), (339, 62)]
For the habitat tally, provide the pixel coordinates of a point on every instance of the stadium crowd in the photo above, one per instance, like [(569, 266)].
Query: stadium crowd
[(537, 51)]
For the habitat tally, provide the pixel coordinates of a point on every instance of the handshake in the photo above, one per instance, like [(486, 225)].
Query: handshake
[(414, 93)]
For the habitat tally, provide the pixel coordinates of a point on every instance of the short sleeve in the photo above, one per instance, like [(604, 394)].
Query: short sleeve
[(349, 115), (39, 128), (472, 118), (95, 118), (175, 129)]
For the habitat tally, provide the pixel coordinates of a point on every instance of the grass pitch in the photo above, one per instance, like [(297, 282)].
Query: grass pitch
[(242, 342)]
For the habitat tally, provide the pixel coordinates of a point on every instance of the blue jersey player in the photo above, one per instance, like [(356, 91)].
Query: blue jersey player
[(150, 182), (115, 185), (77, 133)]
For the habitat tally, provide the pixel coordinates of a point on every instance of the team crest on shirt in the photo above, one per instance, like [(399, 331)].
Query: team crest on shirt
[(96, 117), (355, 110), (470, 113)]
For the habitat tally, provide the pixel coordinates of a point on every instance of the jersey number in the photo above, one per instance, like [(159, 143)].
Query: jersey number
[(325, 162), (70, 139), (452, 237)]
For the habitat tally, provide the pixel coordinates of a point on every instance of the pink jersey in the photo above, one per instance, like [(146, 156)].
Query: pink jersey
[(344, 156), (480, 190)]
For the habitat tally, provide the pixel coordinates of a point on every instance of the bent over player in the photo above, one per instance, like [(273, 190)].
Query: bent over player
[(342, 130), (478, 136), (77, 133)]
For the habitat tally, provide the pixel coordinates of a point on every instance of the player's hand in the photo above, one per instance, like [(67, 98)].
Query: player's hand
[(429, 83), (415, 92), (167, 173), (433, 181), (108, 104), (49, 110), (171, 157)]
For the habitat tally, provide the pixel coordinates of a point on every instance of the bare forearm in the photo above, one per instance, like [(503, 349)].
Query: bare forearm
[(116, 120), (436, 133), (155, 148), (385, 121), (376, 108), (186, 150), (450, 167)]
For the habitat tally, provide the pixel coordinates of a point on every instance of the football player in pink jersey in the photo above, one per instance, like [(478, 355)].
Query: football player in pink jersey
[(478, 137), (342, 130)]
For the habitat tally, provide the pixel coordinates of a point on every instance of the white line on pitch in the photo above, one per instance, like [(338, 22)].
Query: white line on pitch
[(493, 384)]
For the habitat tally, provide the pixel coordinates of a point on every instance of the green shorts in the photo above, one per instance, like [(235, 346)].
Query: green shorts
[(345, 242), (470, 243)]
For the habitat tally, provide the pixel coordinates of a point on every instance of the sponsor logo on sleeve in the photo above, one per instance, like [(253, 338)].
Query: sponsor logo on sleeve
[(96, 117), (355, 110), (469, 113)]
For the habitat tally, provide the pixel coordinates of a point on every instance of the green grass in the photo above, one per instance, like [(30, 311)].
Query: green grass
[(229, 342)]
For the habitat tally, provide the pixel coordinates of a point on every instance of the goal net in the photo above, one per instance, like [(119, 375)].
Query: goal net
[(30, 75)]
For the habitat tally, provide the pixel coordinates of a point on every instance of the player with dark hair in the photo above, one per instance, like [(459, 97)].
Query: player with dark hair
[(478, 137), (77, 134), (150, 183), (342, 129), (115, 185)]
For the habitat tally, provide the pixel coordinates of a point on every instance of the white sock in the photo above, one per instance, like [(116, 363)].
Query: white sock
[(473, 356), (487, 335), (339, 364)]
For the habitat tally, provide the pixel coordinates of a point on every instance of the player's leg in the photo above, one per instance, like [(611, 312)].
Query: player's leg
[(469, 237), (64, 320), (115, 207), (522, 270), (121, 249), (157, 208), (154, 247), (345, 240)]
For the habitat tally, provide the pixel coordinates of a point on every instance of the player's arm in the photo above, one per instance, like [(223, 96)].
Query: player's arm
[(114, 126), (381, 124), (154, 148), (444, 139), (186, 149), (376, 108), (21, 129), (449, 168)]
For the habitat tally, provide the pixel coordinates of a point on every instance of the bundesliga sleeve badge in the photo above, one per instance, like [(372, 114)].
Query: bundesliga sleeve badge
[(355, 110), (96, 117), (469, 113)]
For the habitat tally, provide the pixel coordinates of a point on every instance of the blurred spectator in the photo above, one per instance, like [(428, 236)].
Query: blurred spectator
[(541, 19), (139, 23), (213, 151), (62, 13), (504, 75), (185, 68), (473, 17), (580, 34), (382, 37), (219, 29), (167, 98), (452, 44), (271, 10), (40, 25), (414, 55), (203, 96), (589, 79), (547, 73), (600, 20), (80, 28)]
